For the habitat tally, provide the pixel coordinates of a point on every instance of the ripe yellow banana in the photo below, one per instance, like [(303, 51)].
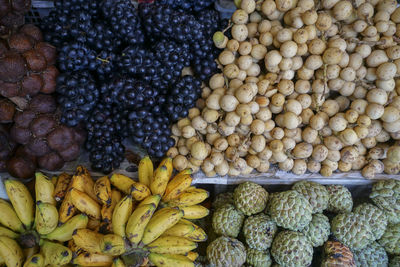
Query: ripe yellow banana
[(11, 252), (189, 198), (168, 163), (36, 260), (29, 252), (88, 183), (138, 221), (117, 262), (113, 245), (77, 182), (46, 218), (54, 180), (171, 245), (161, 178), (85, 203), (9, 218), (145, 171), (198, 235), (93, 224), (168, 260), (64, 232), (122, 182), (7, 232), (161, 221), (44, 189), (102, 189), (92, 259), (67, 209), (55, 254), (139, 191), (121, 214), (107, 210), (88, 240), (62, 185), (74, 248), (191, 255), (194, 212), (22, 201), (177, 186), (179, 229), (153, 199)]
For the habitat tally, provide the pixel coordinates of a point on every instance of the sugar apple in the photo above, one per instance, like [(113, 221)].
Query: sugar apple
[(222, 199), (225, 251), (250, 198), (290, 210), (386, 195), (390, 240), (336, 255), (373, 255), (259, 231), (352, 230), (291, 248), (315, 193), (318, 230), (227, 220), (258, 258), (340, 199), (375, 216), (394, 262)]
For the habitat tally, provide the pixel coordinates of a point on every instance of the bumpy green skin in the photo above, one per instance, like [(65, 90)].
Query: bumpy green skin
[(375, 216), (394, 262), (291, 248), (318, 230), (373, 255), (290, 210), (391, 239), (227, 220), (259, 231), (222, 199), (352, 230), (386, 195), (225, 251), (258, 258), (315, 193), (250, 198), (340, 199)]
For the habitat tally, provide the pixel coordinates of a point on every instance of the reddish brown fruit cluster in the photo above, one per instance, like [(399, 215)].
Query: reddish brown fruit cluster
[(12, 13)]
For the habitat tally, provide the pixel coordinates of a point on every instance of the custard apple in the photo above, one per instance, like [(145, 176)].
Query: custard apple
[(270, 197), (250, 198), (227, 220), (259, 231), (222, 199), (373, 255), (391, 239), (318, 230), (315, 193), (394, 262), (375, 217), (352, 230), (291, 248), (258, 258), (290, 210), (225, 251), (340, 199), (336, 255), (386, 195)]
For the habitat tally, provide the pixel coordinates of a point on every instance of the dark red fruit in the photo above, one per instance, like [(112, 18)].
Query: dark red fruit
[(43, 104), (33, 32), (31, 85), (43, 125), (61, 138), (50, 80), (20, 42), (23, 119), (70, 153), (7, 110), (20, 135), (38, 147), (21, 167), (12, 67), (35, 60), (48, 51), (51, 162)]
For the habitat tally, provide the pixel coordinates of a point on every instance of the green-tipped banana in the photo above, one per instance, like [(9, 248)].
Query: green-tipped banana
[(46, 218), (36, 260), (11, 252), (64, 232), (117, 262), (55, 254), (9, 218), (44, 189), (113, 245), (22, 201)]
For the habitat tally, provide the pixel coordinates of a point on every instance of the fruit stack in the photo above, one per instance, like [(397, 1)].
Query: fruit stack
[(109, 221), (289, 227)]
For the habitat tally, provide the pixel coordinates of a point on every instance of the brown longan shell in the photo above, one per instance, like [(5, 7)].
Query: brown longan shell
[(33, 32), (20, 135), (70, 153), (20, 42), (23, 119), (35, 60), (61, 138), (38, 147), (51, 162), (11, 19), (43, 125), (50, 80), (7, 111), (31, 85), (21, 167), (12, 67), (9, 89), (43, 104), (48, 51)]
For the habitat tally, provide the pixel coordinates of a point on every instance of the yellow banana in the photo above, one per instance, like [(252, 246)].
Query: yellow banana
[(22, 201), (153, 199), (138, 221), (93, 224), (198, 235), (64, 232), (46, 218), (179, 229), (92, 259), (62, 185), (161, 221), (117, 262), (67, 209), (54, 180), (145, 171), (7, 232), (171, 245), (102, 189), (36, 260), (121, 214), (191, 255), (168, 260), (9, 218), (177, 186), (55, 254), (88, 240), (11, 252), (168, 163), (113, 245), (122, 182), (29, 252), (189, 198), (194, 212), (139, 191), (107, 210), (77, 181), (88, 183), (85, 203), (160, 180), (74, 248), (44, 189)]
